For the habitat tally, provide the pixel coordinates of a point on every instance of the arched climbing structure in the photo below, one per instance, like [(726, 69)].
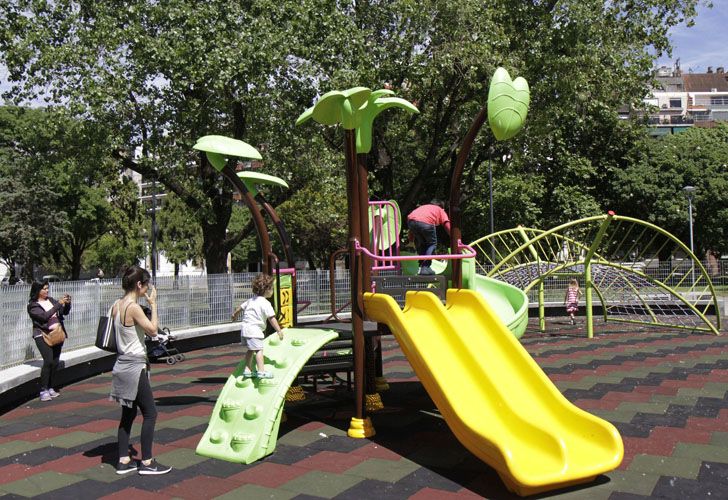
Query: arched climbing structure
[(632, 265)]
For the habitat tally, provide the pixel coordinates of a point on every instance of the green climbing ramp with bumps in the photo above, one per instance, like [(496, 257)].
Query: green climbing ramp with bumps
[(244, 424)]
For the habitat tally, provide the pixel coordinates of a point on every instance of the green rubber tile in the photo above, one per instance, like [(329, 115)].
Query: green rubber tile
[(709, 390), (180, 458), (666, 466), (255, 491), (105, 473), (321, 484), (73, 439), (301, 438), (719, 439), (183, 423), (675, 400), (627, 481), (41, 483), (705, 452), (15, 447), (643, 407), (384, 470), (564, 385), (613, 415)]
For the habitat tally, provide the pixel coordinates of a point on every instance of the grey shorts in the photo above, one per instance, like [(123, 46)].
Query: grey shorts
[(254, 344)]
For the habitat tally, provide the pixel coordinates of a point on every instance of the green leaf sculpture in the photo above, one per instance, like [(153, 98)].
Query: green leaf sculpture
[(507, 104), (218, 148), (338, 107), (254, 179), (377, 103)]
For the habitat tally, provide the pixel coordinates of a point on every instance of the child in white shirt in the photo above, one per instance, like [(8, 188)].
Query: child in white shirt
[(256, 311)]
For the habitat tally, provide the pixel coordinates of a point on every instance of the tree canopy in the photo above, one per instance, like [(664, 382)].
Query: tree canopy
[(162, 74)]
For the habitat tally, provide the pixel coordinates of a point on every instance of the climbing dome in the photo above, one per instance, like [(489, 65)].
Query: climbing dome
[(639, 272)]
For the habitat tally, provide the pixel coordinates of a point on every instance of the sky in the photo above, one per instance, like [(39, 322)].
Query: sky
[(704, 44)]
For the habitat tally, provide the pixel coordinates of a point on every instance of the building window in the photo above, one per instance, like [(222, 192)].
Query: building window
[(720, 100), (676, 103)]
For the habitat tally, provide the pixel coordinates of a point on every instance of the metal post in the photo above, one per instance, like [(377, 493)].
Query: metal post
[(154, 230), (689, 190), (490, 190), (541, 307)]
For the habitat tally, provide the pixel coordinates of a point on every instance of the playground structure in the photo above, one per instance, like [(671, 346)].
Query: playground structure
[(494, 397), (615, 256)]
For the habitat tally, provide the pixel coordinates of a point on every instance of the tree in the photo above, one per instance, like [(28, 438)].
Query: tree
[(27, 199), (650, 187), (163, 74), (62, 179), (179, 236)]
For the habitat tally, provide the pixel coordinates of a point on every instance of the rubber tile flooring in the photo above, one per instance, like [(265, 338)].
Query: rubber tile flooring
[(664, 391)]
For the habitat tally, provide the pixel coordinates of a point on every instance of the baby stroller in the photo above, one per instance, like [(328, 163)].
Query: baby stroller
[(164, 349)]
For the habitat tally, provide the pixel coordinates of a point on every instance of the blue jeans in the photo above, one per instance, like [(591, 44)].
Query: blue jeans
[(425, 239)]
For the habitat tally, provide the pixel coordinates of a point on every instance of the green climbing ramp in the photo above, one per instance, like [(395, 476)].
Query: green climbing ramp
[(244, 424)]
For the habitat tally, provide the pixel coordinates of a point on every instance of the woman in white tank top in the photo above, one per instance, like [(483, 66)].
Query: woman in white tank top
[(130, 385)]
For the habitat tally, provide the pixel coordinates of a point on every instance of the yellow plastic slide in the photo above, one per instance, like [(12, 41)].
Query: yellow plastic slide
[(495, 398)]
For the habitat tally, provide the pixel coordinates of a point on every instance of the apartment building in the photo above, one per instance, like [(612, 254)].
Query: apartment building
[(684, 100)]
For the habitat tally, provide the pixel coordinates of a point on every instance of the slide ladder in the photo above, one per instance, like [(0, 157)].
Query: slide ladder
[(244, 423), (492, 394)]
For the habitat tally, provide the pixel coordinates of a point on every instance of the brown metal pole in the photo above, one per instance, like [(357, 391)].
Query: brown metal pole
[(455, 215), (260, 227), (287, 247), (363, 192), (357, 313)]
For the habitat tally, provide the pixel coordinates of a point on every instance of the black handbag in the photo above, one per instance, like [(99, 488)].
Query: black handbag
[(106, 333)]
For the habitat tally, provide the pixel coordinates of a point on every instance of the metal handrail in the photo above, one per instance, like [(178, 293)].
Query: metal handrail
[(461, 246)]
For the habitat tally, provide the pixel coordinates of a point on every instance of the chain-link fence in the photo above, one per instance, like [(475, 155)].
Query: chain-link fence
[(191, 301), (185, 302)]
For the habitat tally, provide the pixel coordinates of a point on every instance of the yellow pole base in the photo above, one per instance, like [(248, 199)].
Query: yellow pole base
[(381, 384), (295, 393), (373, 402), (361, 428)]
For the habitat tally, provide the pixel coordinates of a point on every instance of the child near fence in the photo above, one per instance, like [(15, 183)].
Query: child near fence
[(256, 311), (571, 299)]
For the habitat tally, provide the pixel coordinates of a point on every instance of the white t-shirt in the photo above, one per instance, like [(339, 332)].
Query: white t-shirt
[(256, 312)]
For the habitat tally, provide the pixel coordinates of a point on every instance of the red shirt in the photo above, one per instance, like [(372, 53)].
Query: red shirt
[(430, 214)]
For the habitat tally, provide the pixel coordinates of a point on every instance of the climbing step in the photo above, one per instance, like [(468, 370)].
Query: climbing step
[(244, 424)]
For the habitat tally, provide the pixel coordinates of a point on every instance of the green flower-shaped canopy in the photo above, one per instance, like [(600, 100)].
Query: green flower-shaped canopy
[(355, 108), (507, 104), (338, 107), (377, 103), (254, 179), (218, 148)]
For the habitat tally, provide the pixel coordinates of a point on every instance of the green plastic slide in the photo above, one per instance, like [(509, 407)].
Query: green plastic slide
[(244, 424)]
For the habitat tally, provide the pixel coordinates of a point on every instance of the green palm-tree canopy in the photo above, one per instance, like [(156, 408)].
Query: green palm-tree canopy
[(338, 107), (377, 102)]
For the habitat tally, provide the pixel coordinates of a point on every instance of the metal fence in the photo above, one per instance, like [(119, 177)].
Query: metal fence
[(185, 302), (191, 301)]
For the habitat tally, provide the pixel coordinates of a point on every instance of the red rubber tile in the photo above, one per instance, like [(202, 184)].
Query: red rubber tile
[(331, 461), (200, 487), (268, 474)]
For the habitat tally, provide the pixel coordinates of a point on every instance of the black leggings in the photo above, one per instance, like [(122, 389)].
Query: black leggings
[(51, 355), (144, 401)]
